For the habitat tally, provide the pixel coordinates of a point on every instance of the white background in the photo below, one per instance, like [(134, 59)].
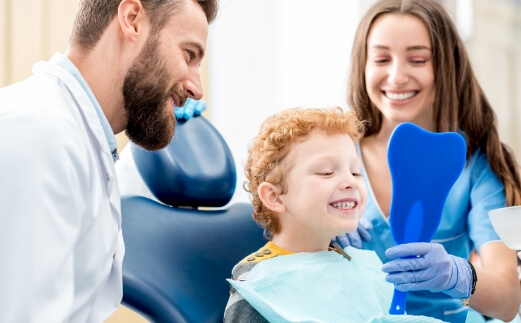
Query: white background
[(266, 56)]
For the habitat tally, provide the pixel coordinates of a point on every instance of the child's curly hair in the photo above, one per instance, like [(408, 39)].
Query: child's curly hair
[(269, 148)]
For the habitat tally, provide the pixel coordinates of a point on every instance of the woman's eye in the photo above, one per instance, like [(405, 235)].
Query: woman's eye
[(418, 61), (381, 60)]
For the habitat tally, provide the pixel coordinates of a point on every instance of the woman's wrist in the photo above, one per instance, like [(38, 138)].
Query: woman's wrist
[(463, 274), (474, 278)]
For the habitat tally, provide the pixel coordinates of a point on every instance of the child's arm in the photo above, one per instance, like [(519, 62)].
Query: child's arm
[(241, 311), (238, 309)]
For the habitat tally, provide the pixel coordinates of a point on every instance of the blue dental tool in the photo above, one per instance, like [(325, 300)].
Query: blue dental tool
[(424, 166)]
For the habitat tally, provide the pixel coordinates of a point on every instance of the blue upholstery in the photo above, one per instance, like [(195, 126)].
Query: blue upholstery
[(195, 169), (178, 257)]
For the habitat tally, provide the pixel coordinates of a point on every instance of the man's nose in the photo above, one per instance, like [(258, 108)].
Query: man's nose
[(193, 85)]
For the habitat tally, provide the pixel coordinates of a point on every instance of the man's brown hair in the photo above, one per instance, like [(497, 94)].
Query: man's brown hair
[(93, 17)]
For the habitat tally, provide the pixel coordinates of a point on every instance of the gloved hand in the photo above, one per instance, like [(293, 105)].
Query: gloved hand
[(190, 109), (427, 266), (355, 238)]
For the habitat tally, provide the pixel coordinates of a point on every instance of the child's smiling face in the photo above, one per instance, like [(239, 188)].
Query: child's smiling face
[(326, 193)]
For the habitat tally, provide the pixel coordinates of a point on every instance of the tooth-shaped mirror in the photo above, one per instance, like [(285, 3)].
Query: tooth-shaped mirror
[(424, 166)]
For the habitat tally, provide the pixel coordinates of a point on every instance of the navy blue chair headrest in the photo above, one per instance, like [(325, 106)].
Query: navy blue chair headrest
[(196, 169)]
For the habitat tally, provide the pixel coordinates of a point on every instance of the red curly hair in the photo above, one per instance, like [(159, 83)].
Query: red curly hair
[(276, 136)]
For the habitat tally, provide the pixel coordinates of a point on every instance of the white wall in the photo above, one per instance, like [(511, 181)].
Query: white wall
[(269, 55), (495, 52)]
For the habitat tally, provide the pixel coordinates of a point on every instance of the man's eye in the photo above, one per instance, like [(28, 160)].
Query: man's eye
[(191, 55)]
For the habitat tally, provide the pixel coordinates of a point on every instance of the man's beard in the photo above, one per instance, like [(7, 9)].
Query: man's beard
[(151, 124)]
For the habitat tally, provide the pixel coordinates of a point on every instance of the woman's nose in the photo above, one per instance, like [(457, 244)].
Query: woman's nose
[(398, 74)]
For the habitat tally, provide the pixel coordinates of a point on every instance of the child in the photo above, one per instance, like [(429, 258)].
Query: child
[(304, 177)]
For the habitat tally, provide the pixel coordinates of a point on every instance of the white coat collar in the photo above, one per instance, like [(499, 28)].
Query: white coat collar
[(93, 125), (64, 62)]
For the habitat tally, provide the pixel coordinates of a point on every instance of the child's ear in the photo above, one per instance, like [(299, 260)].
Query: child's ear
[(268, 194)]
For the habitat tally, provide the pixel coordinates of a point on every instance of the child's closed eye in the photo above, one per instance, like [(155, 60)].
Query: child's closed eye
[(327, 173)]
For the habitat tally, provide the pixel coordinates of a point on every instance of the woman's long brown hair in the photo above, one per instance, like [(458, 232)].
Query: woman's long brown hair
[(460, 103)]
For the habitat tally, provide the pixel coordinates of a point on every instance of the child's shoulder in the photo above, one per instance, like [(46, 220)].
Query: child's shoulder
[(269, 250)]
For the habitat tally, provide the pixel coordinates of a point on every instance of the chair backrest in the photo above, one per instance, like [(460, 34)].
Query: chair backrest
[(177, 254)]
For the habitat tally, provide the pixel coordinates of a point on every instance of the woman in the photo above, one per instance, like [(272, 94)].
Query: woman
[(409, 65)]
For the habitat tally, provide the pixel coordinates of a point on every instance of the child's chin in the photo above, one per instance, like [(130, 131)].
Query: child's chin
[(348, 229)]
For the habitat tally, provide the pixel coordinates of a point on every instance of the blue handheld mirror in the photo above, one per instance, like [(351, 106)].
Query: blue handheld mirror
[(424, 166)]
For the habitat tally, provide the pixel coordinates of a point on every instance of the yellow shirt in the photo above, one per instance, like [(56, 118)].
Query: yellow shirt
[(269, 250)]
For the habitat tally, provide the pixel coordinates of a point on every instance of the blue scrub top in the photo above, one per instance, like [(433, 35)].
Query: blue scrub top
[(464, 226)]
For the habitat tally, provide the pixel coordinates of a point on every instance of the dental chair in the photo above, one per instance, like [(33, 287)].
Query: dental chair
[(179, 252)]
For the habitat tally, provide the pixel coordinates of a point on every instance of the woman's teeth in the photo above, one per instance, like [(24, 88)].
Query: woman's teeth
[(344, 205), (400, 96)]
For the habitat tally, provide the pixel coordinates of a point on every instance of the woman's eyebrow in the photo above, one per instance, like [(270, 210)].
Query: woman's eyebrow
[(418, 47), (415, 47)]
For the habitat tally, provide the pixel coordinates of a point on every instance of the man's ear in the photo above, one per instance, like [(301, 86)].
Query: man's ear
[(132, 18), (269, 195)]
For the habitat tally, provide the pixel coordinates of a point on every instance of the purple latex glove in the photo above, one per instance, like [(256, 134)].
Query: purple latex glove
[(427, 266), (355, 238), (190, 109)]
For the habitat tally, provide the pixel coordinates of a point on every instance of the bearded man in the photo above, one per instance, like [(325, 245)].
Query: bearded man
[(127, 65)]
